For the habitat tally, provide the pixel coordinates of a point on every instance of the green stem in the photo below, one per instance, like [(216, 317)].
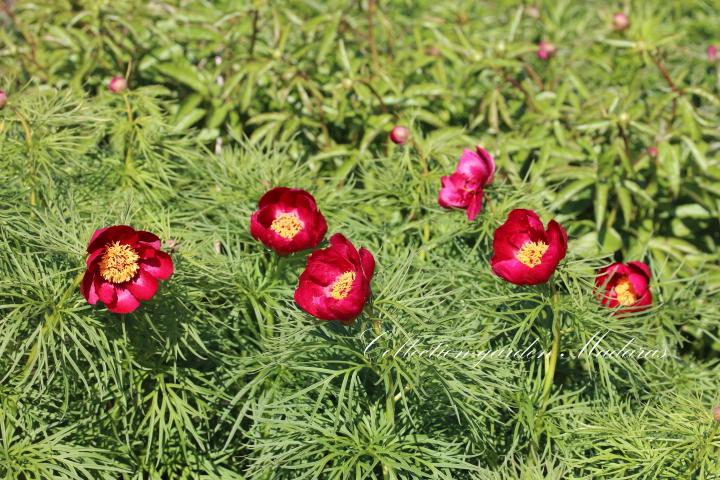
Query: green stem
[(130, 140), (552, 364)]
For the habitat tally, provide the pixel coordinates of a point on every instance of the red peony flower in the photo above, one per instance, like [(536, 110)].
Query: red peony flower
[(625, 285), (336, 282), (123, 268), (464, 188), (524, 252), (288, 220), (546, 50)]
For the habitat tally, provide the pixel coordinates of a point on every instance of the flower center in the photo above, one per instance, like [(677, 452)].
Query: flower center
[(342, 286), (624, 292), (287, 225), (119, 263), (531, 253)]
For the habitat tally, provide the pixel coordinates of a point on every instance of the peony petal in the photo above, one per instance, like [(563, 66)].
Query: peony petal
[(87, 287), (368, 263), (149, 239), (143, 286), (453, 193), (116, 233), (475, 205), (105, 290), (642, 268), (125, 303), (160, 266)]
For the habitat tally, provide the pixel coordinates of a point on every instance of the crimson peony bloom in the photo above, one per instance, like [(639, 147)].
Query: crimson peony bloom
[(123, 268), (399, 135), (620, 21), (287, 220), (336, 282), (524, 252), (546, 50), (625, 285), (464, 188)]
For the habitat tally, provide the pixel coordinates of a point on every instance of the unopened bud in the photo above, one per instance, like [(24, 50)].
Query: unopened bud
[(716, 413), (712, 53), (117, 84), (620, 21), (399, 135), (3, 99)]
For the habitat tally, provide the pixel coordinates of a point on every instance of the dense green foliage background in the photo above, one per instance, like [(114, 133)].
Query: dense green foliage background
[(221, 375)]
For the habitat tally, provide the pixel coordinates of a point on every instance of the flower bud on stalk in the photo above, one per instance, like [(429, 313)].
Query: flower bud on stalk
[(3, 99), (117, 84), (620, 21), (399, 135)]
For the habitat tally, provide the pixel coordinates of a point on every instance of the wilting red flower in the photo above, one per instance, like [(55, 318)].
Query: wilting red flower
[(652, 151), (464, 188), (545, 50), (288, 220), (123, 268), (525, 253), (712, 53), (620, 21), (336, 282), (117, 84), (399, 135), (625, 285)]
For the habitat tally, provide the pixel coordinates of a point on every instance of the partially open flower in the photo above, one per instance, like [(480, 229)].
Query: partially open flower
[(117, 84), (545, 50), (287, 220), (525, 253), (336, 282), (464, 188), (399, 135), (712, 53), (3, 99), (124, 266), (620, 21), (625, 285)]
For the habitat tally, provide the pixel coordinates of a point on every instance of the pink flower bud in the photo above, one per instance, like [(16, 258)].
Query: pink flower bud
[(716, 413), (399, 135), (3, 99), (712, 53), (652, 151), (620, 21), (117, 84), (546, 50)]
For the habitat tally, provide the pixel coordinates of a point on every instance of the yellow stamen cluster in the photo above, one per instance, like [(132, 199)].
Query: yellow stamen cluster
[(342, 286), (287, 225), (624, 292), (531, 253), (119, 263)]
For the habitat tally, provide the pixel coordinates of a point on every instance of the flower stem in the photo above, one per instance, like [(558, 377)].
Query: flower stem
[(130, 140), (552, 364)]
